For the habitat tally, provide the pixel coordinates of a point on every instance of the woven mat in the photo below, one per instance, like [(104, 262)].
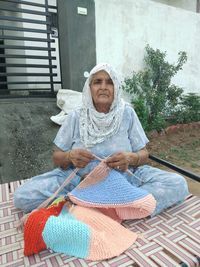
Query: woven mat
[(170, 239)]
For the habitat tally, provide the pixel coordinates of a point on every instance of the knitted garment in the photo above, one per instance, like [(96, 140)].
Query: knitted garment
[(78, 231), (90, 229), (106, 188), (34, 226)]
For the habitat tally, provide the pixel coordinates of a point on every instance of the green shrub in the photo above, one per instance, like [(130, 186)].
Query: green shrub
[(158, 123), (152, 88), (142, 111), (188, 110)]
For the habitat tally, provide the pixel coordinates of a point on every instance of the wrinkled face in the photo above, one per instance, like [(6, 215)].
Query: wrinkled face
[(102, 91)]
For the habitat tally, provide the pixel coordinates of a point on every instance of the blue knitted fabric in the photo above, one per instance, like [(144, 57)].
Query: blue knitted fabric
[(113, 189), (66, 234)]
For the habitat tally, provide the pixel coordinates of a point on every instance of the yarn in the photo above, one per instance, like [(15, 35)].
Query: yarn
[(33, 228), (109, 189), (86, 223)]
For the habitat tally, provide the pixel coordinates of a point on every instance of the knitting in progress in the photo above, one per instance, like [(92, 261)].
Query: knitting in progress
[(86, 223)]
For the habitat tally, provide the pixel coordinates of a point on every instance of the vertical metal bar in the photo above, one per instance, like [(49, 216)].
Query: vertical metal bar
[(59, 54), (49, 46), (198, 6), (47, 19), (2, 68)]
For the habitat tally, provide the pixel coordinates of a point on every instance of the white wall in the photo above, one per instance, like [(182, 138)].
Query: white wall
[(184, 4), (124, 28)]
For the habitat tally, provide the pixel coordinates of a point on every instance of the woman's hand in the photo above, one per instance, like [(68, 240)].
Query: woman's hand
[(119, 161), (122, 160), (80, 157), (60, 158)]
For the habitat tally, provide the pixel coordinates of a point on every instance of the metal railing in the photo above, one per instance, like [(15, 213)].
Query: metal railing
[(27, 56), (187, 173)]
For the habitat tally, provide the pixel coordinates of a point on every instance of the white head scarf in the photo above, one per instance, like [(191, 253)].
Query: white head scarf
[(95, 127)]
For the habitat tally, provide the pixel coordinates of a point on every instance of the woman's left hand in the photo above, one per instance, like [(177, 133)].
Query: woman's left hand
[(119, 161)]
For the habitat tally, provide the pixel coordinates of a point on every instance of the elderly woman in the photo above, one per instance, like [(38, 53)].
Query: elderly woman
[(108, 127)]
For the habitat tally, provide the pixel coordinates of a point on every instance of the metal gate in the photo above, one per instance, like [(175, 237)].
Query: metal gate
[(29, 59)]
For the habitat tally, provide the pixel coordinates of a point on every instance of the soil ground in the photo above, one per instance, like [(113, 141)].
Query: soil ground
[(181, 148)]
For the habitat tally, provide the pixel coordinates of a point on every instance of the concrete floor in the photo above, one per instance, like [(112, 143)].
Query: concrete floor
[(26, 135)]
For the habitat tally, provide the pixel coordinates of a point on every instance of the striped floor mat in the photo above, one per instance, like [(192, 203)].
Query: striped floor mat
[(169, 239)]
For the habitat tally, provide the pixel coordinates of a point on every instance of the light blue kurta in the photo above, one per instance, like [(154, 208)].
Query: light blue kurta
[(167, 188)]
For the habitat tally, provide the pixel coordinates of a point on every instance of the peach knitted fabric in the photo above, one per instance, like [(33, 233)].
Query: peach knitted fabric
[(108, 238)]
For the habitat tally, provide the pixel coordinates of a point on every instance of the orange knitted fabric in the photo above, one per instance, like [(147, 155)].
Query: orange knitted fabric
[(33, 241)]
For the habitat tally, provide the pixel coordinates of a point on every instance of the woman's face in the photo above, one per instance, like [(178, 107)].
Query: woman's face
[(102, 91)]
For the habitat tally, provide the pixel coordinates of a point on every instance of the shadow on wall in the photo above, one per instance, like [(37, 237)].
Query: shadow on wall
[(26, 137)]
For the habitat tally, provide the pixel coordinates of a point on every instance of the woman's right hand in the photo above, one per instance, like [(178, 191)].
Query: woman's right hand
[(80, 157)]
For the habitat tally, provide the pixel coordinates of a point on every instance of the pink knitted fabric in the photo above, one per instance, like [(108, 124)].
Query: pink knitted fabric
[(108, 237)]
